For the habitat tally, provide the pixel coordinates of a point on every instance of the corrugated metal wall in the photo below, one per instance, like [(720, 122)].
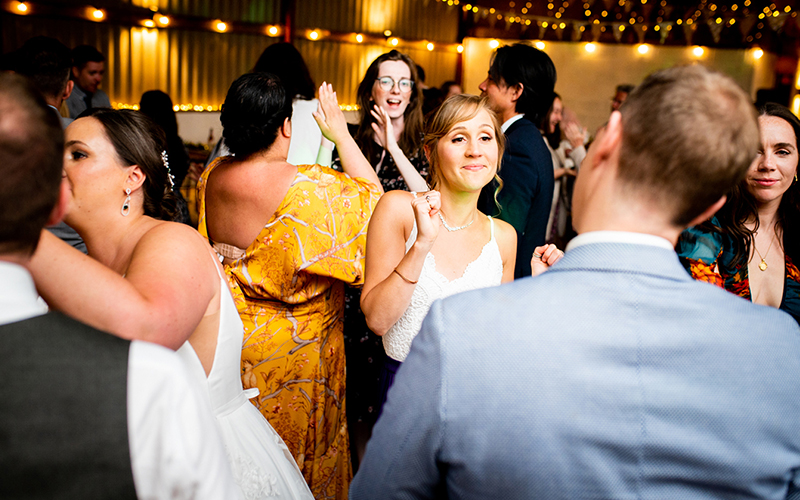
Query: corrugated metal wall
[(197, 67)]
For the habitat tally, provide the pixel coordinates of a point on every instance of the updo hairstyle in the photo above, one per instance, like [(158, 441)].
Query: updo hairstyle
[(456, 109), (138, 140), (254, 111)]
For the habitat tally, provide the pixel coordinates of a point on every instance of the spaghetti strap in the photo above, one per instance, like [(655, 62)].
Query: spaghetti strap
[(491, 223)]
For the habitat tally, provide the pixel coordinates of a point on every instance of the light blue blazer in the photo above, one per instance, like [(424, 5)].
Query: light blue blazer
[(613, 375)]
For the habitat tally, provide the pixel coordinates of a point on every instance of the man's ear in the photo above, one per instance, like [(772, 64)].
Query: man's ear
[(709, 212), (608, 141), (516, 91), (68, 90), (62, 204)]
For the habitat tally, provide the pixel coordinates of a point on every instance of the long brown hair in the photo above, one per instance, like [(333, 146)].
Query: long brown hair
[(741, 206), (411, 136)]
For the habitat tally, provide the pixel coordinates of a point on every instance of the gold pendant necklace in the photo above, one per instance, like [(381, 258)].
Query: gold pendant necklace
[(763, 264)]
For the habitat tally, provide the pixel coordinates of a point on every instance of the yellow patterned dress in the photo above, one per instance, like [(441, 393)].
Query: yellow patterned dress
[(289, 290)]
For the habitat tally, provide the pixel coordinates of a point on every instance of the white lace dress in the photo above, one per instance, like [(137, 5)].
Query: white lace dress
[(261, 462), (485, 271)]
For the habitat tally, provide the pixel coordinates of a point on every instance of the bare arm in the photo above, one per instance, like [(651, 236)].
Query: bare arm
[(334, 127), (384, 132), (162, 298), (386, 293)]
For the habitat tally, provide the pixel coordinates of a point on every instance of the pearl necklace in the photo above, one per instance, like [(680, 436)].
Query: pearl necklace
[(458, 228)]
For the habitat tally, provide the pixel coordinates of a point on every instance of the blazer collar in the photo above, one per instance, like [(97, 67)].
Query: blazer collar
[(623, 257)]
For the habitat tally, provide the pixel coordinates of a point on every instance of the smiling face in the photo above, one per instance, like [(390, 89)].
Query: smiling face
[(556, 115), (774, 168), (93, 170), (467, 155), (396, 100)]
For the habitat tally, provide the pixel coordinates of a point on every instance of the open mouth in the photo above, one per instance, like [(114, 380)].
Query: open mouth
[(394, 102)]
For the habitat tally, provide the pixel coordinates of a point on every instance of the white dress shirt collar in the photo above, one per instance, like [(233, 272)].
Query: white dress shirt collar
[(619, 237), (510, 121), (18, 297)]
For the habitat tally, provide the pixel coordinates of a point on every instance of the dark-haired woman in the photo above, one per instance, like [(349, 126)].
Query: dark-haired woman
[(291, 237), (390, 136), (750, 246), (150, 279), (158, 106)]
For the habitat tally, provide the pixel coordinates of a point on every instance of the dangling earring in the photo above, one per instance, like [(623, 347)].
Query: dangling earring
[(126, 205), (795, 177)]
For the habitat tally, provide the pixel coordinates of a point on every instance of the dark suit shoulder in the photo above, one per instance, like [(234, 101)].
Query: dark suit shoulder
[(61, 331)]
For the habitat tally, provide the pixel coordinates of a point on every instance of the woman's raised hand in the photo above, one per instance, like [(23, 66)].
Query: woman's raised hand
[(328, 115), (544, 257), (384, 131), (574, 134), (426, 212)]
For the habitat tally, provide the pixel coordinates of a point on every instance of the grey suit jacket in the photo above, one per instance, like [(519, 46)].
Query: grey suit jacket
[(612, 375)]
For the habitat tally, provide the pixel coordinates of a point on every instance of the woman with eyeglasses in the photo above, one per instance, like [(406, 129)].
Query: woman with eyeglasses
[(390, 136)]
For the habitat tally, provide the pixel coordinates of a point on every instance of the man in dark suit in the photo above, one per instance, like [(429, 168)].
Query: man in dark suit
[(520, 90), (83, 414), (612, 375)]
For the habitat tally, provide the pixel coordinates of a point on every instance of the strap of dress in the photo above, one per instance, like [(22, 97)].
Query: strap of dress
[(491, 224)]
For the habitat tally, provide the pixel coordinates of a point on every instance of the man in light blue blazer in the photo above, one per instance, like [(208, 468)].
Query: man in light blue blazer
[(613, 375)]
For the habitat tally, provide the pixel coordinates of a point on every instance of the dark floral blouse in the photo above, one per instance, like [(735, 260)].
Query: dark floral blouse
[(708, 255)]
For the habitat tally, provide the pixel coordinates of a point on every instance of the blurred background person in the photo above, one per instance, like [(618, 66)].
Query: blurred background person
[(88, 68)]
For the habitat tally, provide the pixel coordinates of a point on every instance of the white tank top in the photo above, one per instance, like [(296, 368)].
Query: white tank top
[(485, 271)]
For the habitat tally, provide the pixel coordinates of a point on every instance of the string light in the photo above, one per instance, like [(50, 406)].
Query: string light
[(643, 48), (539, 45), (494, 44), (359, 38), (149, 23), (313, 35), (429, 47), (460, 49), (98, 14), (758, 54), (162, 20), (394, 42), (220, 26), (698, 51), (22, 7), (590, 47)]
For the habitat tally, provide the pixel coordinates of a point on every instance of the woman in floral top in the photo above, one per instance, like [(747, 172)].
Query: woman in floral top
[(750, 246)]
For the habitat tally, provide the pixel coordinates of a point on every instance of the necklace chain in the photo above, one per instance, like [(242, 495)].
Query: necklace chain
[(457, 228), (763, 264)]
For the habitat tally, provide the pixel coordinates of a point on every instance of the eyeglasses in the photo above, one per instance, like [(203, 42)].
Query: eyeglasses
[(387, 84)]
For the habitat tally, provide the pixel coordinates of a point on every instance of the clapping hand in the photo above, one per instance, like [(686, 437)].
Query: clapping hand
[(384, 131), (544, 257), (426, 212), (328, 115), (574, 134)]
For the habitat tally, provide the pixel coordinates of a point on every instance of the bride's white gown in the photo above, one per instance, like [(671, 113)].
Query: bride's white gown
[(261, 462)]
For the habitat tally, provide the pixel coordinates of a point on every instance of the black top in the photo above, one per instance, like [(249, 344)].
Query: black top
[(527, 194)]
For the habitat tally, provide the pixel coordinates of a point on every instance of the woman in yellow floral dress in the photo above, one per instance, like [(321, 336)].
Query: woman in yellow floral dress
[(291, 237)]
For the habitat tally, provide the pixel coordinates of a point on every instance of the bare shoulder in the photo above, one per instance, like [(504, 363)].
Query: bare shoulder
[(506, 235), (394, 210), (174, 242)]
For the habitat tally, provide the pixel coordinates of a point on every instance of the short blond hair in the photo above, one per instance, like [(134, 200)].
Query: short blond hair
[(457, 109), (689, 135)]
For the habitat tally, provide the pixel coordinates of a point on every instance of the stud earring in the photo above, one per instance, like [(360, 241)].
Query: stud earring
[(126, 205)]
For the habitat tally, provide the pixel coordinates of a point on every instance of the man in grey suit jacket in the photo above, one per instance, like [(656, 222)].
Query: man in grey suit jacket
[(613, 374)]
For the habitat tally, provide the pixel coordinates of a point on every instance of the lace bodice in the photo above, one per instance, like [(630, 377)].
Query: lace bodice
[(485, 271)]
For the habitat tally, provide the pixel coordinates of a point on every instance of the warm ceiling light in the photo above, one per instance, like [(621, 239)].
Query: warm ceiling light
[(494, 44), (98, 14), (758, 54), (590, 47), (313, 35), (359, 38), (429, 46), (539, 45), (150, 23), (273, 30), (220, 26), (387, 33), (162, 20), (460, 49), (394, 42), (698, 51), (643, 48), (22, 7)]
